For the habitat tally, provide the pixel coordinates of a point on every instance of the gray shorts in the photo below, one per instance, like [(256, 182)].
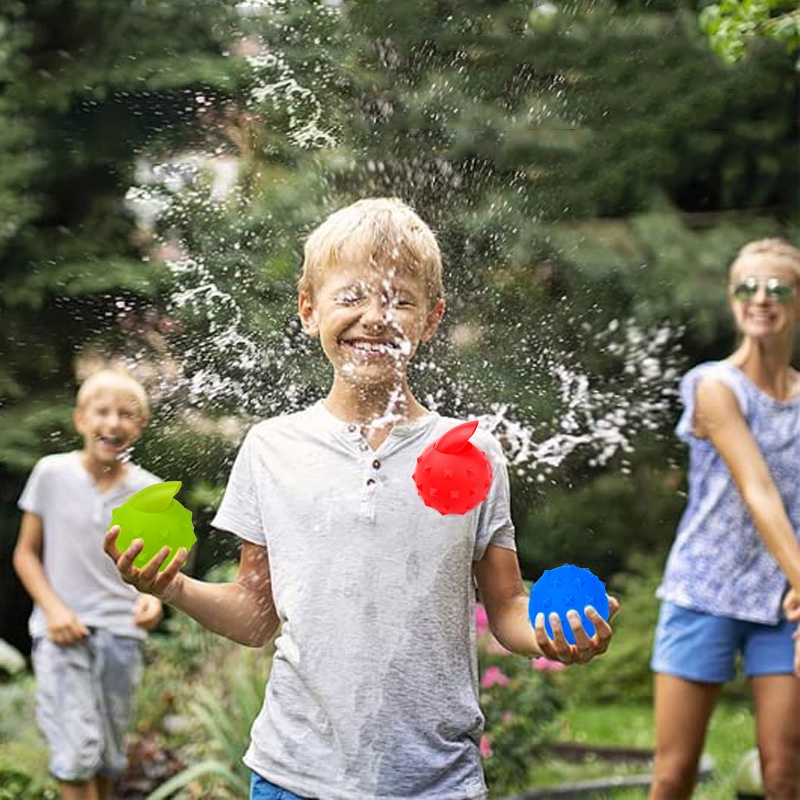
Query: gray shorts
[(84, 702)]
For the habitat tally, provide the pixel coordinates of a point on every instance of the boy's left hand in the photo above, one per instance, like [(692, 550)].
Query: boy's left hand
[(148, 612), (586, 647)]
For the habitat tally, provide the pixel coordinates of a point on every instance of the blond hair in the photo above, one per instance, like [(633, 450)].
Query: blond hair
[(775, 247), (386, 232), (114, 380)]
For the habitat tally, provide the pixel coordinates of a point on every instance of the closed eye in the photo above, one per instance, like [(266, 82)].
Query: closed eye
[(349, 299)]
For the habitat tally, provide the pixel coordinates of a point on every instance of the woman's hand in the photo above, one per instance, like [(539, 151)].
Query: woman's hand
[(163, 585), (585, 647), (791, 605), (797, 652)]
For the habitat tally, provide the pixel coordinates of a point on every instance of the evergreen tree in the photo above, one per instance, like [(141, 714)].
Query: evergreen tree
[(517, 138), (85, 87)]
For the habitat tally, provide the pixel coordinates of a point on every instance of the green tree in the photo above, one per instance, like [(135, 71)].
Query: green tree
[(730, 24), (85, 87), (517, 140)]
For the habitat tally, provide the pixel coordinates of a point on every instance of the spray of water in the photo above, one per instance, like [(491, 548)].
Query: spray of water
[(277, 88), (593, 418), (264, 373)]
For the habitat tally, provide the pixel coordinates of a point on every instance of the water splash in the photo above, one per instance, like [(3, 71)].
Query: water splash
[(229, 361), (594, 417), (277, 88), (597, 422)]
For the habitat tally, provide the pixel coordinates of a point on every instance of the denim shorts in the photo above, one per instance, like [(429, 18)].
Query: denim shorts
[(84, 702), (702, 647), (262, 789)]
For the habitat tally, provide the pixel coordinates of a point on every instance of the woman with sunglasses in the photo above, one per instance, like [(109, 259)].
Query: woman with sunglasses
[(736, 551)]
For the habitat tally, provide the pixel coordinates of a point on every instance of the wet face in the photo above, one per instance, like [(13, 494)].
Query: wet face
[(370, 321), (764, 293), (110, 422)]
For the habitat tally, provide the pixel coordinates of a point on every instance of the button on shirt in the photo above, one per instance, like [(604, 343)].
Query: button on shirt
[(719, 563), (373, 691)]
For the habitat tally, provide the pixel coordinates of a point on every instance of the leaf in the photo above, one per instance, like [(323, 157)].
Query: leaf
[(155, 498), (183, 779), (456, 439)]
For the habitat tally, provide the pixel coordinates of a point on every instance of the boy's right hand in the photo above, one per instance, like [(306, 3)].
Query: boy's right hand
[(164, 585), (64, 628)]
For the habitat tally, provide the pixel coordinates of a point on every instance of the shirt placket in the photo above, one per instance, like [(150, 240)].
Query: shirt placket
[(370, 466)]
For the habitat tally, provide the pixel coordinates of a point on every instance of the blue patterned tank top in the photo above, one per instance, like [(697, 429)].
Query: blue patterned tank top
[(719, 563)]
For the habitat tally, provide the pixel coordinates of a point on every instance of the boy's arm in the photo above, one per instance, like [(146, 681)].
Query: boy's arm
[(506, 601), (63, 626), (242, 610)]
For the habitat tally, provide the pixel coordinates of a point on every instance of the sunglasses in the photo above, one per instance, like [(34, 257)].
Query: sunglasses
[(774, 288)]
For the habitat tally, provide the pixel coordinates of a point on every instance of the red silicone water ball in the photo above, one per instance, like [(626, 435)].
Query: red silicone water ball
[(452, 475)]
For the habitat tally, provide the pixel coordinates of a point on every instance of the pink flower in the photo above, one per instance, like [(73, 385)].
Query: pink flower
[(481, 619), (546, 665), (485, 746), (494, 676)]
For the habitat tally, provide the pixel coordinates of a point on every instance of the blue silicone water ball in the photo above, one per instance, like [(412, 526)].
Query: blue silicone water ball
[(564, 588)]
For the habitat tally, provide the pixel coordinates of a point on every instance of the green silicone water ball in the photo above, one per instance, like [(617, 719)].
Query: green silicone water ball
[(156, 517)]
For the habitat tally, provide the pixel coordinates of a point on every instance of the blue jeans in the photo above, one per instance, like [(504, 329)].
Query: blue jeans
[(262, 789)]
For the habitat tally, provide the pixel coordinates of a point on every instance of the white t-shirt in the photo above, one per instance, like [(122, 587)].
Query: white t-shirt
[(374, 685), (75, 517)]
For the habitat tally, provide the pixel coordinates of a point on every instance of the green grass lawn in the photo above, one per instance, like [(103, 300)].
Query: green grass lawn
[(730, 735)]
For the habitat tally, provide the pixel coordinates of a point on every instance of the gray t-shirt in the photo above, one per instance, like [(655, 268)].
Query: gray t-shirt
[(374, 685), (75, 517)]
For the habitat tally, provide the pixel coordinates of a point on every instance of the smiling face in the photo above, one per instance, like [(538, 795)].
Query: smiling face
[(110, 421), (370, 320), (765, 294)]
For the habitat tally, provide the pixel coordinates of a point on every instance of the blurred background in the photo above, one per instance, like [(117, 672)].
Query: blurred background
[(590, 169)]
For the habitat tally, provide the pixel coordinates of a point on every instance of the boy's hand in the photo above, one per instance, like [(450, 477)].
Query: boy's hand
[(64, 628), (791, 605), (163, 585), (148, 611), (585, 647)]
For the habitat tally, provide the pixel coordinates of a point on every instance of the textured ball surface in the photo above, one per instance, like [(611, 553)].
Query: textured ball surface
[(154, 516), (452, 475), (563, 589)]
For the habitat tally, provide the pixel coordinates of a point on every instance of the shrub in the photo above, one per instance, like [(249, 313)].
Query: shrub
[(224, 714), (520, 701)]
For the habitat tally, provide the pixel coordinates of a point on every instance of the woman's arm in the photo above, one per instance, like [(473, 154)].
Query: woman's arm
[(503, 594), (719, 418), (242, 610)]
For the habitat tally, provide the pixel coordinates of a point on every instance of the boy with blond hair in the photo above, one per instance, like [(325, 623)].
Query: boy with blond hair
[(87, 625), (373, 691)]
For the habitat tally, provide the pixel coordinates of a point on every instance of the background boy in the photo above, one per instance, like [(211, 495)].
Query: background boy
[(373, 690), (87, 625)]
